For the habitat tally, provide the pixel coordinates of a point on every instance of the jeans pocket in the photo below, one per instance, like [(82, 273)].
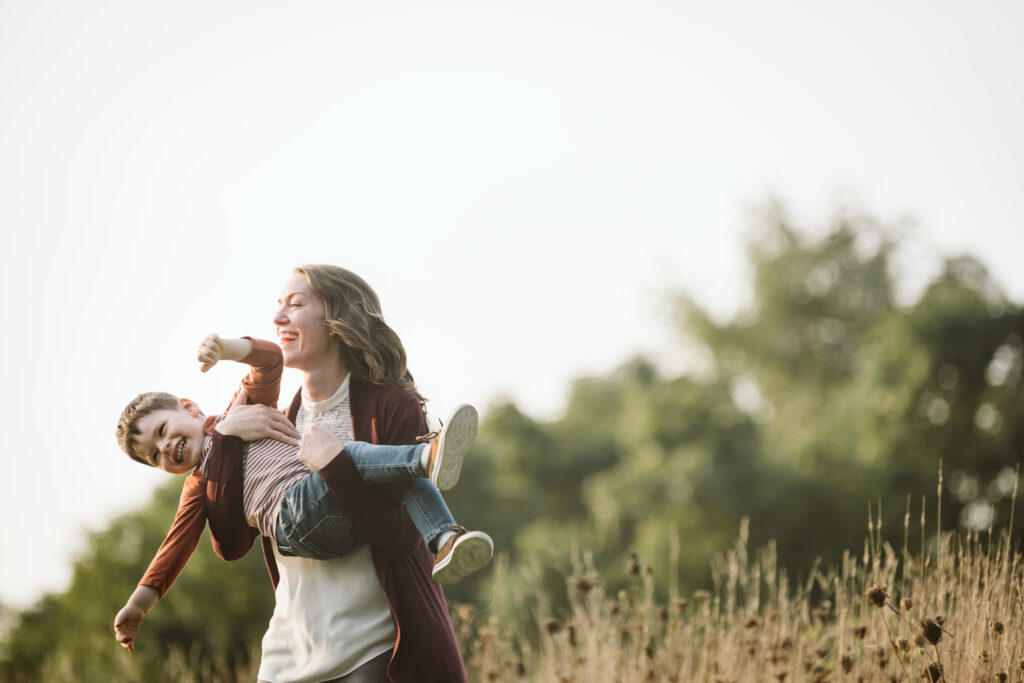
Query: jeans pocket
[(328, 536)]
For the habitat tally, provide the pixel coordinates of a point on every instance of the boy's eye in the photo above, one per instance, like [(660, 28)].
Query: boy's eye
[(161, 430)]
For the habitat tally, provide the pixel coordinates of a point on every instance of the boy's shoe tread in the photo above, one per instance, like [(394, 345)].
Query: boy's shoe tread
[(461, 555), (449, 446)]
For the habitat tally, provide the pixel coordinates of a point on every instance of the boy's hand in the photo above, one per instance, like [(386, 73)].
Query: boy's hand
[(127, 624), (211, 350), (254, 421), (318, 447)]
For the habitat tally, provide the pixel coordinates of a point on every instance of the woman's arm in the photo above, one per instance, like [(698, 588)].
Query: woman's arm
[(384, 521)]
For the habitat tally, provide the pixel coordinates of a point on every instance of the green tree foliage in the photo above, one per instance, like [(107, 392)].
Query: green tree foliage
[(215, 612), (825, 394)]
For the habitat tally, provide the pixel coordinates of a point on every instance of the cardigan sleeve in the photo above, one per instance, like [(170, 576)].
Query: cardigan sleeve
[(399, 420), (182, 538)]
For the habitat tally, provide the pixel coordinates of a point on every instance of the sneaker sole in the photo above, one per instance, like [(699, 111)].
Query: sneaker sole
[(458, 435), (472, 552)]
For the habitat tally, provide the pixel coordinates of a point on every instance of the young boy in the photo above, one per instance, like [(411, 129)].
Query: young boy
[(282, 498)]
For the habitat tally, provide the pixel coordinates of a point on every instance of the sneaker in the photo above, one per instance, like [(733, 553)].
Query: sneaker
[(449, 446), (461, 555)]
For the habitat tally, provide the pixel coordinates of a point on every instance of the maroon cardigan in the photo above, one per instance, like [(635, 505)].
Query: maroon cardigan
[(425, 648)]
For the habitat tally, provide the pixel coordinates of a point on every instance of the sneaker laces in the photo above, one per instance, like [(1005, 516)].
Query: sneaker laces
[(430, 436)]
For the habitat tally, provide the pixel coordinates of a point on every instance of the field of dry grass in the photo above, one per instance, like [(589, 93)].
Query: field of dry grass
[(951, 611)]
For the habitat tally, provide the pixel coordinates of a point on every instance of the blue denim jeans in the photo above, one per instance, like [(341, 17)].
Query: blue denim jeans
[(312, 523)]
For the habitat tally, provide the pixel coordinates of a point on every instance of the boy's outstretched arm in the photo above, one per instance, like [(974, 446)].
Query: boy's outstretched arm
[(129, 620), (250, 416)]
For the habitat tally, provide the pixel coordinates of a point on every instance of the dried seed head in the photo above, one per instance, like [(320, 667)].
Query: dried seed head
[(876, 595), (633, 566), (932, 672), (906, 603), (847, 663), (1001, 676), (998, 628), (931, 631), (551, 626), (983, 656), (751, 623), (614, 610), (903, 644), (680, 606), (585, 584), (860, 632), (572, 635), (648, 570)]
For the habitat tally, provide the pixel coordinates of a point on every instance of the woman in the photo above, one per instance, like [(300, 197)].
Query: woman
[(376, 615)]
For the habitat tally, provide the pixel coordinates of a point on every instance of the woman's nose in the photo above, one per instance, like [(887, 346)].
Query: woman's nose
[(279, 317)]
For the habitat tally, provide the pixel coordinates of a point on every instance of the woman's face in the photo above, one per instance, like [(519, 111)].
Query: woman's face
[(305, 340)]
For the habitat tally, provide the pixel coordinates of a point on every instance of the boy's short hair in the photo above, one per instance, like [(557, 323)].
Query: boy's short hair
[(139, 407)]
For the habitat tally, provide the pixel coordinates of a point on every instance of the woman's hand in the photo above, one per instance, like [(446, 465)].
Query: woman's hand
[(319, 446), (251, 422)]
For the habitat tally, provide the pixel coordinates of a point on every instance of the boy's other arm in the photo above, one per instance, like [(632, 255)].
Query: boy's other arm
[(230, 534), (263, 383), (182, 538)]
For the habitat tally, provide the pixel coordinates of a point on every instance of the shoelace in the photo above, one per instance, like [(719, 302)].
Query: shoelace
[(430, 436)]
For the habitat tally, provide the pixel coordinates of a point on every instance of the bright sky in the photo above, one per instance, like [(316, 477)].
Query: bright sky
[(522, 182)]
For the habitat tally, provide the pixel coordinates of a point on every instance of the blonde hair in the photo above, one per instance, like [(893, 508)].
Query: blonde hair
[(370, 349), (139, 407)]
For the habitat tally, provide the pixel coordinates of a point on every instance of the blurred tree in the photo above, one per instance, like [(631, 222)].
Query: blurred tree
[(215, 612)]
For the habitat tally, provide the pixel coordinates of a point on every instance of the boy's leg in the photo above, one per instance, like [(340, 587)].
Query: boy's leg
[(459, 552), (387, 464), (439, 459), (312, 524)]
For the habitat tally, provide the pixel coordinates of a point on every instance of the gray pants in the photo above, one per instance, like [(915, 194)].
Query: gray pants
[(374, 671)]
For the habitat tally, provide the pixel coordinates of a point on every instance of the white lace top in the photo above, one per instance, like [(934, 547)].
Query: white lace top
[(330, 616)]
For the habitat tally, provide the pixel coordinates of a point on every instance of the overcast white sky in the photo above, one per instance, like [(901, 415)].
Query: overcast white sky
[(520, 181)]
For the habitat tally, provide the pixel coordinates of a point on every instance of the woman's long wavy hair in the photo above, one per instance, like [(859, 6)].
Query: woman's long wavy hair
[(370, 349)]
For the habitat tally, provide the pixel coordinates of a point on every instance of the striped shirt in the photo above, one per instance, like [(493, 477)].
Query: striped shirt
[(270, 468)]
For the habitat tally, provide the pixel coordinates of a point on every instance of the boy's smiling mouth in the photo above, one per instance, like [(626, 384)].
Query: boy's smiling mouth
[(179, 452)]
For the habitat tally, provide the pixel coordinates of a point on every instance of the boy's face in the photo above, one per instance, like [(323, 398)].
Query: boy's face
[(172, 440)]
